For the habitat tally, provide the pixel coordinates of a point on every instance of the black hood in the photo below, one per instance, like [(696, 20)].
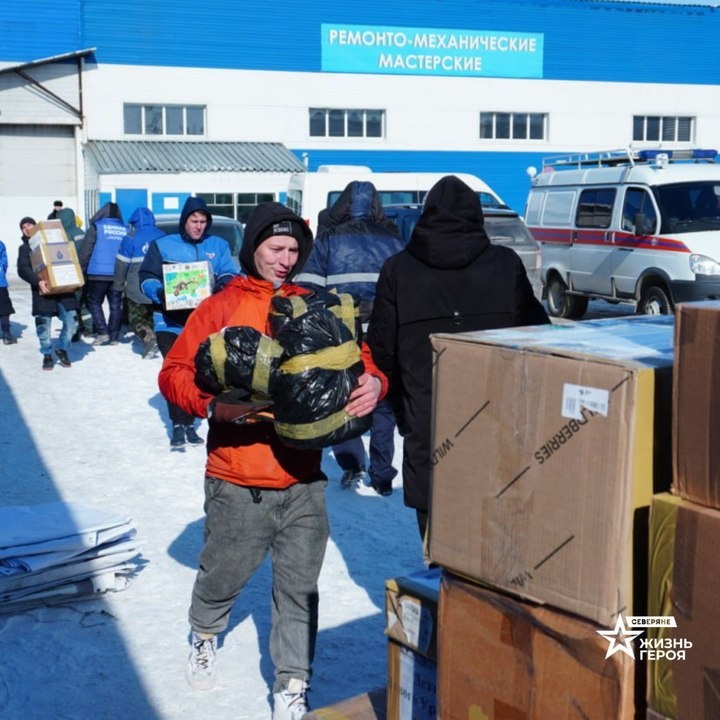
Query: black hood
[(108, 210), (450, 232), (259, 226), (193, 204)]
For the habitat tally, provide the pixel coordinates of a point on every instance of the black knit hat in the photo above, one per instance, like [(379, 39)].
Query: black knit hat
[(27, 219), (269, 219)]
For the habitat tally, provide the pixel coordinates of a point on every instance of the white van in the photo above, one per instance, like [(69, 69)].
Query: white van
[(635, 226), (310, 192)]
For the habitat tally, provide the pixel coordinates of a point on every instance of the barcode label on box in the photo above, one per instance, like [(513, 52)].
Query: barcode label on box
[(577, 397)]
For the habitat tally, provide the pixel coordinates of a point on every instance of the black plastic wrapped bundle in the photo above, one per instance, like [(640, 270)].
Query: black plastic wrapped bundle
[(238, 357), (286, 309), (320, 367)]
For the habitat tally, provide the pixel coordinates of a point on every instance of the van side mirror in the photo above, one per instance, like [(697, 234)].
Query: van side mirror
[(641, 223)]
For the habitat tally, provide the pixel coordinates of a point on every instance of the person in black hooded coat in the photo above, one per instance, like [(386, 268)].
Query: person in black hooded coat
[(448, 279)]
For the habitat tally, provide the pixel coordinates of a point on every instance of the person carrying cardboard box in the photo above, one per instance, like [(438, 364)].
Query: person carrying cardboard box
[(46, 305)]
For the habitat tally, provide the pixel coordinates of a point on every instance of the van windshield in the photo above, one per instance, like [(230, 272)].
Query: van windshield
[(689, 207)]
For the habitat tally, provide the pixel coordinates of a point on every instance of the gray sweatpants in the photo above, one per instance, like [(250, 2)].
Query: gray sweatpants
[(291, 525)]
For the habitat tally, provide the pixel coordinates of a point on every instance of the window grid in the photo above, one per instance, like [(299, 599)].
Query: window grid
[(338, 122), (513, 126), (163, 119), (663, 128)]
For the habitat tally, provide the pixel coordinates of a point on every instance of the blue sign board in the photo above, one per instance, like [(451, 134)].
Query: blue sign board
[(376, 49)]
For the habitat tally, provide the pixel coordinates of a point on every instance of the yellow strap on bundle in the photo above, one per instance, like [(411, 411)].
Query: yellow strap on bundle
[(311, 430), (340, 357), (218, 356), (347, 312), (267, 351)]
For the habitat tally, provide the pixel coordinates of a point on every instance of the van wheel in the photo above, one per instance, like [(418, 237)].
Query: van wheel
[(562, 305), (655, 301)]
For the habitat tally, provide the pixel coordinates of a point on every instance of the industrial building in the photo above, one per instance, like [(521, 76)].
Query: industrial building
[(147, 103)]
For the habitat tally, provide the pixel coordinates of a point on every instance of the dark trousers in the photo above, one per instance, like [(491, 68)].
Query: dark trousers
[(165, 340), (97, 292), (350, 455)]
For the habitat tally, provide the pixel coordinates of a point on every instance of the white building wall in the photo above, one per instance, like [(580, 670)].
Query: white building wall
[(422, 112)]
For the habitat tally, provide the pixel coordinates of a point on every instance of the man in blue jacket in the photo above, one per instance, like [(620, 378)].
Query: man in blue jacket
[(354, 239), (132, 252), (192, 243), (97, 259)]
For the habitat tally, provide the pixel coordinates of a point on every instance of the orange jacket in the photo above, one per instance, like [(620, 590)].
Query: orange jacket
[(249, 455)]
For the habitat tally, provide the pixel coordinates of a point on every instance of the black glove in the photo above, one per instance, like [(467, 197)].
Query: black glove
[(234, 406)]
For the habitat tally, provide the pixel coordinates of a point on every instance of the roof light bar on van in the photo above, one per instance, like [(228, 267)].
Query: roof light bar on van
[(687, 154), (630, 156)]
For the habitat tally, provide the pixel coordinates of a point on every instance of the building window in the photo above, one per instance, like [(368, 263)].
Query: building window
[(163, 119), (325, 122), (663, 128), (513, 126)]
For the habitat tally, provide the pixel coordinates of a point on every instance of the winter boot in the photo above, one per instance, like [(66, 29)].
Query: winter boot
[(291, 703), (63, 358), (8, 339), (101, 340), (150, 348), (191, 436), (200, 671), (47, 362), (177, 441), (352, 479)]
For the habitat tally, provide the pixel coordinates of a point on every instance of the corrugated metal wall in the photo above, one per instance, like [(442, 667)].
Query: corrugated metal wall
[(584, 40), (593, 41)]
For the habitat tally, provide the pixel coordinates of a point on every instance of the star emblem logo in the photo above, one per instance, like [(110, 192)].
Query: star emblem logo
[(619, 638)]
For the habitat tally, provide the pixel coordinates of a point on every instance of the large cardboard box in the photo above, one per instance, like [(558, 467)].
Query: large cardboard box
[(411, 608), (412, 684), (696, 427), (684, 661), (368, 706), (505, 659), (186, 285), (548, 444), (54, 259)]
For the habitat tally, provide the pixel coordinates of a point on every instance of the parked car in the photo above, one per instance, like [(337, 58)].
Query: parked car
[(503, 226), (224, 227)]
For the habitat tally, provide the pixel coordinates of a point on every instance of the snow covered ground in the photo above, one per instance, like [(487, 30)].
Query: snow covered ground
[(97, 433)]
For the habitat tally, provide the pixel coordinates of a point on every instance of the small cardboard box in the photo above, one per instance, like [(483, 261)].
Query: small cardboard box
[(684, 661), (411, 608), (54, 259), (696, 403), (549, 442), (48, 232), (412, 684), (368, 706), (187, 284), (500, 658)]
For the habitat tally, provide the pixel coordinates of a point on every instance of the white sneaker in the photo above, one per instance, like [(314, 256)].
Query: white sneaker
[(200, 671), (291, 703)]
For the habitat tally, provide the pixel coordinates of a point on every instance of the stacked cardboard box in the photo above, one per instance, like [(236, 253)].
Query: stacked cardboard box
[(411, 604), (549, 444), (504, 658), (684, 660), (54, 258)]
